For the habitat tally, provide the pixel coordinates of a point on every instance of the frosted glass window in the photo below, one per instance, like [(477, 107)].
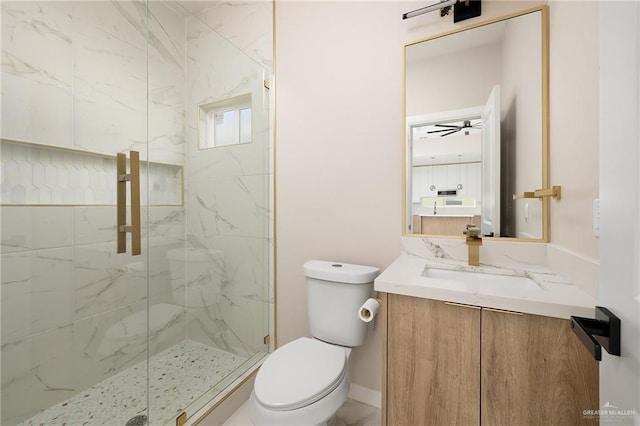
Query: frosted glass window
[(224, 128), (245, 125), (226, 122)]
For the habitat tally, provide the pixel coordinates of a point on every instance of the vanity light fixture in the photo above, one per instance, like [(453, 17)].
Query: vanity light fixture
[(430, 8), (462, 10)]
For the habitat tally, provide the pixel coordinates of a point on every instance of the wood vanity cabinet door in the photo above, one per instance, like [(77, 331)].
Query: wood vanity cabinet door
[(433, 363), (446, 225), (534, 372)]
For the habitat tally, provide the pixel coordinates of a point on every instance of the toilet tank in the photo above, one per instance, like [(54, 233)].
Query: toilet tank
[(335, 292)]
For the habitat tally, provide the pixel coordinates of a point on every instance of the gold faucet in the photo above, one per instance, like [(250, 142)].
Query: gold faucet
[(474, 241)]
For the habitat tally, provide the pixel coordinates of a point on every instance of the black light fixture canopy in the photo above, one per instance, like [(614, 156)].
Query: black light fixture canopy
[(466, 9)]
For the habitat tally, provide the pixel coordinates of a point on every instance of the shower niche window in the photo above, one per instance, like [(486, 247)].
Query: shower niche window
[(225, 122)]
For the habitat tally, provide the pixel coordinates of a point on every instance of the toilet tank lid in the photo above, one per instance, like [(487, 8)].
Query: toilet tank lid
[(340, 272)]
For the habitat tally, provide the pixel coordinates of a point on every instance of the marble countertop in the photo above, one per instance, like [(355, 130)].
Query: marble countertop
[(552, 295)]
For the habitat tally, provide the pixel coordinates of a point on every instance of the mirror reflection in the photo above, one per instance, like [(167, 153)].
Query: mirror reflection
[(475, 110)]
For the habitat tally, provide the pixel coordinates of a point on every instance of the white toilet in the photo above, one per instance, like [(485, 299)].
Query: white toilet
[(306, 381)]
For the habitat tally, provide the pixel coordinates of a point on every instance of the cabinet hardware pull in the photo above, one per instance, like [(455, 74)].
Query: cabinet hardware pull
[(502, 311), (462, 305)]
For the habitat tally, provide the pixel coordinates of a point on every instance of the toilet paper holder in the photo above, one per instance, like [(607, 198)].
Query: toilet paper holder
[(603, 331), (369, 309)]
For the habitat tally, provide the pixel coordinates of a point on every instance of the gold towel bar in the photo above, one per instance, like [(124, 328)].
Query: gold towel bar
[(555, 192)]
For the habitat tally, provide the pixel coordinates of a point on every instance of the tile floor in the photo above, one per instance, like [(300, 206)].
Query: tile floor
[(352, 413)]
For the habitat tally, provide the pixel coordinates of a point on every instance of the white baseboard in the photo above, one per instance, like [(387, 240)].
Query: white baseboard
[(366, 395)]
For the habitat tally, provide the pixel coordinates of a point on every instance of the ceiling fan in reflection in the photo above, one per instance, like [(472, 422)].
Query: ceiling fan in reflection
[(450, 129)]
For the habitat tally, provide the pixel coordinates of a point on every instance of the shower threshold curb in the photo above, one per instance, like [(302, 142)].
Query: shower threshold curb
[(209, 408)]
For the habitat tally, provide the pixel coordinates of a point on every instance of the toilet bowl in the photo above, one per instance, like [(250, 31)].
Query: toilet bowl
[(283, 396), (306, 381)]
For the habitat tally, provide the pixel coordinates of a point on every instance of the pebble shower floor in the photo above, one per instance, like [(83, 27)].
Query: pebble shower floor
[(177, 376)]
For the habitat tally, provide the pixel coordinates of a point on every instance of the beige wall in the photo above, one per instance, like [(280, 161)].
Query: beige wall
[(339, 142), (522, 123), (445, 84), (574, 103)]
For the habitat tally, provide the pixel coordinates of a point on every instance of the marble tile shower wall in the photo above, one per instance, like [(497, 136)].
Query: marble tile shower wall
[(74, 74), (247, 25)]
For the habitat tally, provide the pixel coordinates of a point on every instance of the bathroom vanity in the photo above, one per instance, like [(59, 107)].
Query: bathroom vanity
[(488, 344), (465, 345)]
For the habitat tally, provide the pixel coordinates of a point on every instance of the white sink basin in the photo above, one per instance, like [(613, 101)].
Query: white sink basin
[(479, 282)]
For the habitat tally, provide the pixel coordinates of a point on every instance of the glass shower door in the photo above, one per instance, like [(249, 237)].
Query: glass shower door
[(90, 335), (74, 312), (209, 255)]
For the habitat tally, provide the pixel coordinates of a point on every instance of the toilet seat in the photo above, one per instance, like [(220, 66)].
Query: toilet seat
[(299, 374)]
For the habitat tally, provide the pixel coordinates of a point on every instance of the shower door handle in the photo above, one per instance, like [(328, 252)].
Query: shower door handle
[(136, 244), (122, 227)]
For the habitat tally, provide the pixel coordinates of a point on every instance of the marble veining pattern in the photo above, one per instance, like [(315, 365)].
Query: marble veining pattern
[(37, 291), (177, 376), (36, 83), (47, 24), (505, 254), (235, 324), (441, 259), (555, 295), (243, 24), (26, 228), (505, 260)]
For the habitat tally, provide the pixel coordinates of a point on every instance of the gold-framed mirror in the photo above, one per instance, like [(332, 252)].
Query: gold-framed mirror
[(476, 130)]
